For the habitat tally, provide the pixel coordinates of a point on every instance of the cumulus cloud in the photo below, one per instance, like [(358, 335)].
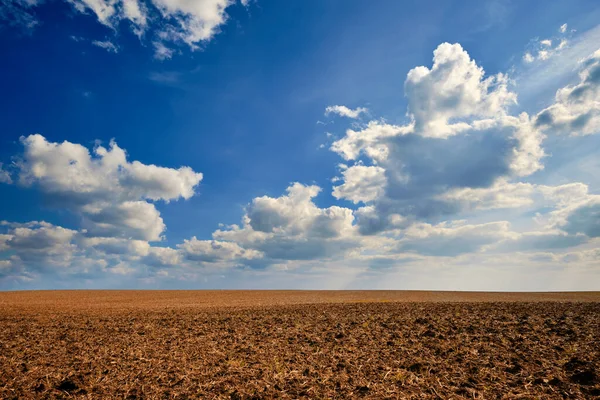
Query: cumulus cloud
[(453, 89), (192, 22), (115, 245), (361, 184), (344, 111), (370, 141), (189, 22), (212, 251), (292, 227), (36, 246), (161, 257), (460, 136), (419, 169), (109, 192), (35, 249), (576, 110)]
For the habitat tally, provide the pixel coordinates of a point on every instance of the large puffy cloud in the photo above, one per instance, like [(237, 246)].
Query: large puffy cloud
[(38, 238), (370, 141), (35, 246), (292, 227), (130, 219), (70, 168), (361, 183), (460, 137), (453, 89), (576, 110), (193, 21), (419, 169), (109, 192), (296, 214)]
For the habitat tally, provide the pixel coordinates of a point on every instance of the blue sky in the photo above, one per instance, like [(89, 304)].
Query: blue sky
[(263, 144)]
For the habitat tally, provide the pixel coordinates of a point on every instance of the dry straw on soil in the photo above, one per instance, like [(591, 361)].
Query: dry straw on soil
[(298, 345)]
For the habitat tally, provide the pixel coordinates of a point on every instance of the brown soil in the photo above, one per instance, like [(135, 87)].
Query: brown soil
[(261, 344)]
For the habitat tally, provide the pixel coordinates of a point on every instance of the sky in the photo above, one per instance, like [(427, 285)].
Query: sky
[(259, 144)]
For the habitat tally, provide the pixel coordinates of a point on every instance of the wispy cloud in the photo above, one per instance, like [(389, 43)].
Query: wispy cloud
[(106, 45), (165, 77), (344, 111)]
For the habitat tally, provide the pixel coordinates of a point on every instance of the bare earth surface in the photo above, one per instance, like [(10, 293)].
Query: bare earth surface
[(291, 344)]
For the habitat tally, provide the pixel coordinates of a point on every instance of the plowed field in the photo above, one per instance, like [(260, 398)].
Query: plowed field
[(263, 344)]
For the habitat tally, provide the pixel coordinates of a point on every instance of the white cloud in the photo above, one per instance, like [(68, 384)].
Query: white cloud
[(345, 111), (528, 58), (137, 13), (108, 191), (563, 28), (37, 246), (174, 21), (361, 184), (576, 110), (104, 10), (292, 227), (370, 141), (212, 251), (504, 194), (162, 52), (106, 45), (452, 106), (419, 169), (43, 237), (544, 49), (114, 245), (296, 214), (453, 89), (193, 21), (163, 257), (130, 219)]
